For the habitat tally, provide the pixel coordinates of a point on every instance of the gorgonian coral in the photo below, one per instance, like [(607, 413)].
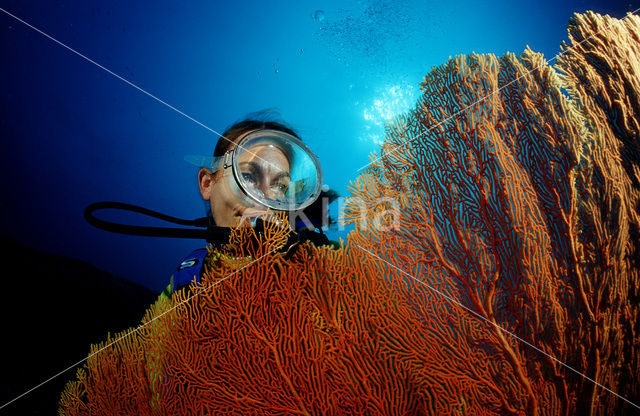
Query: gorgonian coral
[(520, 202), (493, 269)]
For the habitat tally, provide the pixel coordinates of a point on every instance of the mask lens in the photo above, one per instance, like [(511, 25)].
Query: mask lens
[(277, 170), (267, 180)]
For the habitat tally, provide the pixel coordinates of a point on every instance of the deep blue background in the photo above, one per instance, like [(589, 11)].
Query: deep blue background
[(73, 134)]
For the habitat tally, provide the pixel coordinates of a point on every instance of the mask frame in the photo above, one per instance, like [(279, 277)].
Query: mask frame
[(305, 170)]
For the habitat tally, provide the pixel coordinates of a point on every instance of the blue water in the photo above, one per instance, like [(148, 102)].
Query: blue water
[(73, 134)]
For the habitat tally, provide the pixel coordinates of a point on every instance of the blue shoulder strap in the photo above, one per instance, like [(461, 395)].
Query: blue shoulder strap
[(189, 269)]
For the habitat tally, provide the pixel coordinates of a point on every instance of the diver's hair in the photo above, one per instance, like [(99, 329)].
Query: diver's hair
[(238, 129)]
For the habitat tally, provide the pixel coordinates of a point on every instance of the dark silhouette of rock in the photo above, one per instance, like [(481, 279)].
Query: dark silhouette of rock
[(52, 309)]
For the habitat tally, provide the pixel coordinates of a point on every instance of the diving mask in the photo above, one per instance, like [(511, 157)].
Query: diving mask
[(272, 169)]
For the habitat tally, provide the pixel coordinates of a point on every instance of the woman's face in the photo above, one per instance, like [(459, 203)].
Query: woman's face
[(264, 169)]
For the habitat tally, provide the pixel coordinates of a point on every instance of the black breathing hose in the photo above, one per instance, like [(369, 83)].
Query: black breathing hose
[(210, 232)]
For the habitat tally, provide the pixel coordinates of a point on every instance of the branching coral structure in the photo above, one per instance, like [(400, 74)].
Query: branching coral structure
[(519, 201), (494, 268)]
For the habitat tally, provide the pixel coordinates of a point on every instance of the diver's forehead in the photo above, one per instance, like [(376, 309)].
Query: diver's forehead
[(256, 150), (267, 156)]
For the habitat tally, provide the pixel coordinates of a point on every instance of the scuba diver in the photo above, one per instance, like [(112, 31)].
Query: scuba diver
[(257, 166)]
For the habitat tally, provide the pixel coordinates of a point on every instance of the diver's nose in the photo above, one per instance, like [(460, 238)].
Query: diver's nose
[(262, 190), (268, 192)]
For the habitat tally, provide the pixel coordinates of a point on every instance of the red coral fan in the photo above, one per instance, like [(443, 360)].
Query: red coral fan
[(521, 205), (263, 335), (494, 269)]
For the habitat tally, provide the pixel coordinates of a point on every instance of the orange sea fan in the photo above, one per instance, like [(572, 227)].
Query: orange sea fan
[(602, 74), (523, 206), (306, 335), (470, 223), (495, 257)]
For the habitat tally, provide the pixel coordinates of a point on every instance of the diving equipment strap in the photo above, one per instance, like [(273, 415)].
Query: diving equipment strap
[(211, 232)]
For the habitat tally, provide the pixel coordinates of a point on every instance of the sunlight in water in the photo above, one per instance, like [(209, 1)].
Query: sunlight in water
[(390, 102)]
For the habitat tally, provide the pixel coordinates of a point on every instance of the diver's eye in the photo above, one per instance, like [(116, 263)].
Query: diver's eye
[(248, 177), (280, 188)]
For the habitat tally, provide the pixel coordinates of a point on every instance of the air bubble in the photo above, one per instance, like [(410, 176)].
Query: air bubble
[(318, 15)]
